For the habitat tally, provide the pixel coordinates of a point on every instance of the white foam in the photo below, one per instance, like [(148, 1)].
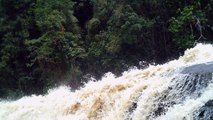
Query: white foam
[(111, 97)]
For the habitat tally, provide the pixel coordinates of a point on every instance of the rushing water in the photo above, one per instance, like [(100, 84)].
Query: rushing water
[(178, 90)]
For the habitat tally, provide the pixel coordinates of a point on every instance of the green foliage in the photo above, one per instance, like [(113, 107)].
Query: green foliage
[(181, 26), (187, 27), (15, 24), (93, 26), (40, 62), (59, 45), (114, 44)]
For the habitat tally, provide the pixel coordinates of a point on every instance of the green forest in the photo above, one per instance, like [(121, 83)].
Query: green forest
[(48, 43)]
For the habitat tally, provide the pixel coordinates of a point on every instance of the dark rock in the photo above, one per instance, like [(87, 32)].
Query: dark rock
[(205, 112), (131, 110)]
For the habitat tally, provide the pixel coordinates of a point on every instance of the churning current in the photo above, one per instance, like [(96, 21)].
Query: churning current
[(181, 89)]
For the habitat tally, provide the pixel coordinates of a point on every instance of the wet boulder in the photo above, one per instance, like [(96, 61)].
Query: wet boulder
[(205, 112)]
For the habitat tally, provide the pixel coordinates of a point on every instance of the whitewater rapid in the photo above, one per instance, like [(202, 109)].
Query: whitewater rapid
[(139, 94)]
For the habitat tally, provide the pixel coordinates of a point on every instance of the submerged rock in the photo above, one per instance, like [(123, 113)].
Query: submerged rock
[(205, 112)]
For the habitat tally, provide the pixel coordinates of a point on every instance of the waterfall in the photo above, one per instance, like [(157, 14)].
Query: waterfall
[(181, 89)]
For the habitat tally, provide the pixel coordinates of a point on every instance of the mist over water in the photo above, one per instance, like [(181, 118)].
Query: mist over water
[(181, 89)]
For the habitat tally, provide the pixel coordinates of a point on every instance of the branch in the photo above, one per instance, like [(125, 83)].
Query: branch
[(199, 28)]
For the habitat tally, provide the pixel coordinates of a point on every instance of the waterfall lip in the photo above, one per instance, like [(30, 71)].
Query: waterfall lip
[(198, 68)]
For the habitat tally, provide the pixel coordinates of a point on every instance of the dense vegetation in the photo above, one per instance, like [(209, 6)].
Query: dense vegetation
[(45, 43)]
